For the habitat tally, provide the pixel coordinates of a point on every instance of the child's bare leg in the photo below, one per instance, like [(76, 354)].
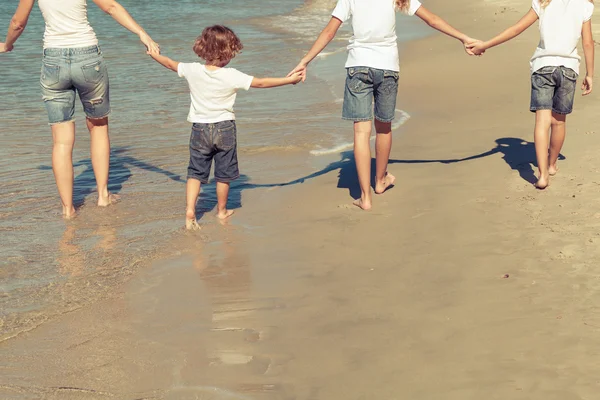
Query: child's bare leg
[(362, 156), (557, 139), (63, 136), (383, 147), (192, 191), (222, 196), (543, 120), (100, 152)]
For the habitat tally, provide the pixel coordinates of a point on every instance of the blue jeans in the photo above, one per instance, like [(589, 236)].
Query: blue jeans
[(553, 88), (67, 71), (216, 141), (365, 86)]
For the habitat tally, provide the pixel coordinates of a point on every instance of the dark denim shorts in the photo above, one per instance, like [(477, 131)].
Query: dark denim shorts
[(553, 88), (66, 72), (216, 141), (366, 86)]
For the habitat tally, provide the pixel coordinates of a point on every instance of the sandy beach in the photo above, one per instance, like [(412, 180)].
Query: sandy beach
[(463, 282)]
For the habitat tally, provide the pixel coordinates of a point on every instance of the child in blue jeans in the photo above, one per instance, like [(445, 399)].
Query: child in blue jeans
[(213, 90), (372, 72), (554, 71)]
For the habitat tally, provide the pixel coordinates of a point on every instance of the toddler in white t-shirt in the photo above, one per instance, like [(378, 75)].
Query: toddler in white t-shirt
[(213, 90), (554, 71)]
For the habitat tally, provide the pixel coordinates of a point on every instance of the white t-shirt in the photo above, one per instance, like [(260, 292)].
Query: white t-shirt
[(67, 25), (374, 24), (560, 29), (213, 92)]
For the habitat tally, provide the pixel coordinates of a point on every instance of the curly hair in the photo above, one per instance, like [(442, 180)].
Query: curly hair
[(217, 45), (402, 5), (544, 3)]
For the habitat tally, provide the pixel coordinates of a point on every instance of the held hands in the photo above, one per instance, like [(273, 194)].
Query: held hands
[(301, 69), (151, 45), (473, 47), (296, 77), (586, 86), (5, 49)]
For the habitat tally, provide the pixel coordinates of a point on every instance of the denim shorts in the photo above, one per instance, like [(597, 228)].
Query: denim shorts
[(365, 86), (216, 141), (553, 88), (67, 71)]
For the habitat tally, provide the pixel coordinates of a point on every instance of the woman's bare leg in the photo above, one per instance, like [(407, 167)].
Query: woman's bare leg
[(63, 136), (100, 152)]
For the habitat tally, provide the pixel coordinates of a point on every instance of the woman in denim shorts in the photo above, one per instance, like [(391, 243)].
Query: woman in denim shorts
[(372, 72), (73, 63)]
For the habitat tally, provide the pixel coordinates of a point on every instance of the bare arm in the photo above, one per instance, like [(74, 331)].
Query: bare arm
[(17, 25), (588, 51), (120, 14), (508, 34), (322, 41), (441, 25), (264, 83), (165, 61)]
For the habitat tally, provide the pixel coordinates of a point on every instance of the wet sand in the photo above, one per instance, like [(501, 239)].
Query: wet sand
[(464, 282)]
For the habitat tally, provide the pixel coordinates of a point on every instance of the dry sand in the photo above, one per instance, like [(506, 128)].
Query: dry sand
[(464, 282)]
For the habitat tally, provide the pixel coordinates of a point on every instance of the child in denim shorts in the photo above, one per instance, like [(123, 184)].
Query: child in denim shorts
[(213, 90), (554, 71), (372, 78)]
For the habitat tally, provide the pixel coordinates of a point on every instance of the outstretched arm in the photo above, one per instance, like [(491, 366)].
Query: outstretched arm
[(264, 83), (322, 41), (439, 24), (510, 33), (120, 14), (17, 25), (588, 51), (164, 61)]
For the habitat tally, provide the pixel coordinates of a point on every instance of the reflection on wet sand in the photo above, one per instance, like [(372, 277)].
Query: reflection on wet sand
[(72, 259)]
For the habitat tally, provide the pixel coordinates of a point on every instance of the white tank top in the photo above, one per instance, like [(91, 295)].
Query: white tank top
[(67, 25)]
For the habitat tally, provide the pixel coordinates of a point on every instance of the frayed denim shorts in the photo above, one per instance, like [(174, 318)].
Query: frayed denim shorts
[(216, 141), (66, 72), (370, 91), (553, 88)]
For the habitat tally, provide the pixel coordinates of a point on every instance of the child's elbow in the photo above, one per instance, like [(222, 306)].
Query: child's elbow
[(17, 25), (434, 22)]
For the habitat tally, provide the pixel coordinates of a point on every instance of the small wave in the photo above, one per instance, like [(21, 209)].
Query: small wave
[(404, 116)]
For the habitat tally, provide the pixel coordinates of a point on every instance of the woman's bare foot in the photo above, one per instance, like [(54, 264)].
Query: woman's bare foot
[(108, 200), (388, 182), (225, 214), (552, 169), (69, 213), (543, 182), (363, 204)]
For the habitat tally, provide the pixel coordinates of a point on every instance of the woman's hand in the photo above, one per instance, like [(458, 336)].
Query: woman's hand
[(301, 68), (151, 45), (4, 48)]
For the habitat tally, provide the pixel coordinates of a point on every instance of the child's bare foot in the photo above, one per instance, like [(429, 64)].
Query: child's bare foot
[(191, 224), (552, 170), (105, 201), (364, 204), (388, 182), (543, 182), (225, 214)]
